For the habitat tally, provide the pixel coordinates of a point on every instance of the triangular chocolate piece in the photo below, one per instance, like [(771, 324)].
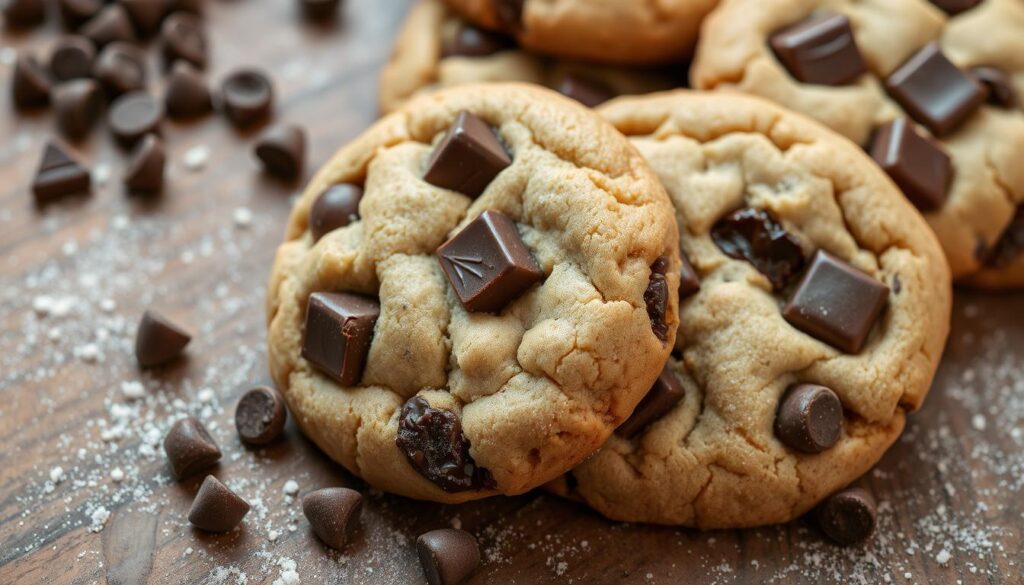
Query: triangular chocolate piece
[(187, 93), (111, 24), (58, 175), (30, 86), (145, 172), (145, 14)]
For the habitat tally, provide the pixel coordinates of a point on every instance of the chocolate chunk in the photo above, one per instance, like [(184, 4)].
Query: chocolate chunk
[(187, 94), (836, 303), (110, 25), (72, 58), (809, 418), (30, 85), (848, 517), (755, 236), (260, 416), (588, 92), (216, 508), (509, 13), (468, 157), (1010, 244), (145, 15), (23, 13), (339, 330), (182, 37), (319, 10), (934, 91), (121, 68), (689, 281), (189, 448), (134, 115), (75, 13), (247, 97), (470, 41), (487, 263), (190, 6), (1001, 92), (158, 340), (59, 175), (432, 441), (954, 7), (448, 555), (77, 105), (820, 50), (335, 208), (282, 150), (656, 298), (145, 172), (660, 399), (333, 513), (916, 163)]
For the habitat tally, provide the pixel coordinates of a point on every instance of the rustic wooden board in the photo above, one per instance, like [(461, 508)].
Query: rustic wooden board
[(75, 277)]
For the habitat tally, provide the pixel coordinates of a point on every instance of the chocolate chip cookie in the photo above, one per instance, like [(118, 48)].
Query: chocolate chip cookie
[(815, 303), (932, 89), (474, 293), (437, 49)]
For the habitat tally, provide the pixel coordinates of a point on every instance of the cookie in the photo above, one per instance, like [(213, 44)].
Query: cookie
[(499, 300), (931, 89), (811, 323), (437, 49), (610, 31)]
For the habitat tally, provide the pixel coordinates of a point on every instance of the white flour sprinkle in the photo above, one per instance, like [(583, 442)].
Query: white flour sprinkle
[(195, 158), (57, 474), (242, 217), (291, 487)]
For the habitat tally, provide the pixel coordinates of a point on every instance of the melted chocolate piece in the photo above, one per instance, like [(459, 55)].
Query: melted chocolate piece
[(470, 41), (432, 441), (1011, 244), (656, 298), (755, 236)]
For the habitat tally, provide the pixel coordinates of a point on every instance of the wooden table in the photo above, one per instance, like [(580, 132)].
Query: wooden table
[(75, 277)]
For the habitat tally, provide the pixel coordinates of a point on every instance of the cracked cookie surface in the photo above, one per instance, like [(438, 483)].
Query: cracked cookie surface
[(522, 394), (717, 457)]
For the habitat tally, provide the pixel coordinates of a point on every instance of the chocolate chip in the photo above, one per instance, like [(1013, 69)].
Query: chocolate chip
[(754, 235), (121, 68), (432, 441), (110, 25), (509, 13), (659, 401), (23, 13), (72, 58), (689, 281), (470, 41), (260, 415), (75, 13), (247, 97), (145, 15), (1010, 244), (848, 517), (588, 92), (836, 303), (134, 115), (319, 10), (182, 37), (339, 329), (216, 508), (1001, 92), (59, 175), (335, 208), (487, 263), (190, 448), (809, 418), (656, 298), (917, 164), (30, 85), (145, 172), (448, 556), (187, 95), (333, 513), (158, 340), (954, 7), (468, 157), (282, 150), (820, 50), (934, 91), (77, 105)]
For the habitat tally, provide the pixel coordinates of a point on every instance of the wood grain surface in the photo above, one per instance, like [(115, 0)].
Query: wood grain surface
[(76, 276)]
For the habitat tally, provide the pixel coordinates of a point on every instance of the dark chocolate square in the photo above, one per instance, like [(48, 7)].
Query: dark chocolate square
[(339, 329), (919, 166), (663, 396), (934, 91), (468, 157), (820, 49)]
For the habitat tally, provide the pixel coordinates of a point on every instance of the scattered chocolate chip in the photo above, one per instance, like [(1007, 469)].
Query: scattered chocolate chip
[(934, 91), (333, 513), (448, 556), (110, 25), (335, 208), (158, 340), (59, 175), (216, 508), (23, 13), (247, 97), (820, 50), (260, 415), (488, 264), (190, 448), (656, 298), (689, 281), (319, 10), (282, 150), (121, 68), (468, 157), (72, 58), (848, 517), (339, 330), (77, 105), (754, 235), (660, 399), (809, 418), (145, 15), (75, 13), (470, 41), (30, 85), (134, 115), (836, 303), (182, 37), (145, 172), (509, 13), (432, 441), (917, 164), (954, 7), (1001, 92), (187, 95), (588, 92), (1010, 244)]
